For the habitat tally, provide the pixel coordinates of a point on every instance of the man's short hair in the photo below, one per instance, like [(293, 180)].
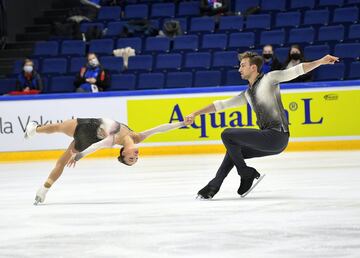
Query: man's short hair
[(121, 158), (254, 59)]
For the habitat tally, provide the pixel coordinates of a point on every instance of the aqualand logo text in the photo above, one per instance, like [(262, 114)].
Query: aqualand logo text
[(310, 114)]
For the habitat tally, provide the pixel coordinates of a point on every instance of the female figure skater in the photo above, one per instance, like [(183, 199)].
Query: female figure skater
[(91, 134)]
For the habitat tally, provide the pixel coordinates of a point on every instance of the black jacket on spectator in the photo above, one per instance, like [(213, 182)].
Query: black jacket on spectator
[(102, 80)]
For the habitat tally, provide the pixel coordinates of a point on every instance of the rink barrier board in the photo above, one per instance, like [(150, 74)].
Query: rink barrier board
[(173, 149), (180, 150)]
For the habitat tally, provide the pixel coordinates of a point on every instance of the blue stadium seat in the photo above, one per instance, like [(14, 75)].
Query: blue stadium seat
[(7, 85), (189, 8), (330, 72), (86, 25), (273, 5), (242, 5), (137, 11), (62, 84), (46, 48), (347, 50), (190, 42), (73, 48), (198, 60), (54, 66), (179, 80), (157, 44), (122, 82), (143, 62), (272, 37), (282, 53), (257, 50), (19, 64), (112, 63), (231, 23), (302, 4), (354, 70), (354, 31), (76, 63), (225, 59), (163, 10), (347, 14), (288, 19), (109, 13), (134, 43), (207, 78), (167, 62), (258, 21), (214, 41), (114, 29), (233, 78), (327, 3), (151, 81), (202, 24), (331, 33), (241, 40), (316, 17), (303, 35), (155, 23), (102, 46), (316, 52)]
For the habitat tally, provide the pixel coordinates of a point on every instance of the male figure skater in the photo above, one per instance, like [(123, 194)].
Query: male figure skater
[(263, 95)]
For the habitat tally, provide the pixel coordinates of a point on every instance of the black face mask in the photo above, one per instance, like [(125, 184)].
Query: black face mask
[(295, 56), (267, 56)]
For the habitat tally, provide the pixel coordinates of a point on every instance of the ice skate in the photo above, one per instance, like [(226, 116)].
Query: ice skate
[(207, 192), (246, 185), (30, 130), (40, 195)]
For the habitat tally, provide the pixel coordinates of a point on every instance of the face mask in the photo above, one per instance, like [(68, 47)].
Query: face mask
[(267, 56), (295, 56), (94, 62), (28, 68)]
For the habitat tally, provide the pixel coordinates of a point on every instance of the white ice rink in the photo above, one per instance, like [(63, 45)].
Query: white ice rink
[(308, 205)]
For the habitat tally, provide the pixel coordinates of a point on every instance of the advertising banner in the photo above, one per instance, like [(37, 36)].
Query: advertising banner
[(314, 114), (15, 115)]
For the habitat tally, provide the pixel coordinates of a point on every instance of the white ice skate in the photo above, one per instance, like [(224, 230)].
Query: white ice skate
[(253, 186), (30, 130), (40, 195)]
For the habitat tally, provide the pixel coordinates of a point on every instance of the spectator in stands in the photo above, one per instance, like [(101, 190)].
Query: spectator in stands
[(214, 7), (295, 57), (92, 77), (271, 63), (28, 81)]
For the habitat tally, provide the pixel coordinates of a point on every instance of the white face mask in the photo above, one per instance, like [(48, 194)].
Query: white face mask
[(28, 68), (94, 62)]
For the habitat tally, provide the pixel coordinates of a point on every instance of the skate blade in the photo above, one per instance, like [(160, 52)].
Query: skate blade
[(253, 186), (200, 197), (37, 200)]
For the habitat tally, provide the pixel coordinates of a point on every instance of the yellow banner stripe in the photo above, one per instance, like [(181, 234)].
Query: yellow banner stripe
[(176, 150)]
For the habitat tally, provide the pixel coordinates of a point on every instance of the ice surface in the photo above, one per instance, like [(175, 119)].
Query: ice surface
[(308, 205)]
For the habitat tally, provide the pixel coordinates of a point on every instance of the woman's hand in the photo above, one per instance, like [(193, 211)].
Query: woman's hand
[(72, 161), (189, 119)]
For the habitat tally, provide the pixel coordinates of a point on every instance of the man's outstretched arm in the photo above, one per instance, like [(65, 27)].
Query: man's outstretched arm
[(328, 59), (300, 69), (217, 106)]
